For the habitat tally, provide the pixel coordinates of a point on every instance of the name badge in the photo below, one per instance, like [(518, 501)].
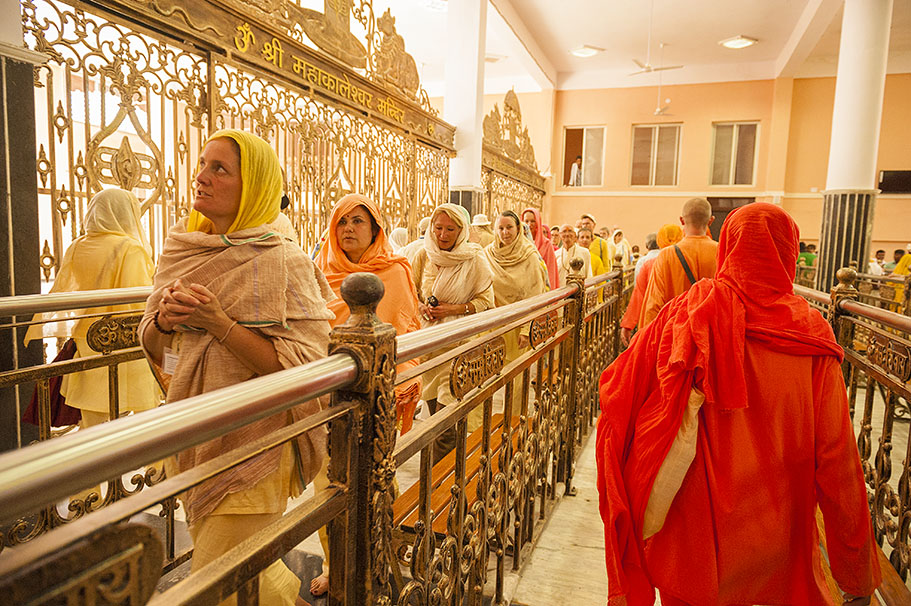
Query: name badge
[(170, 361)]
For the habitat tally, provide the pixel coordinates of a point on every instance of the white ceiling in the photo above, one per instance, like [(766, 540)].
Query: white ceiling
[(532, 39)]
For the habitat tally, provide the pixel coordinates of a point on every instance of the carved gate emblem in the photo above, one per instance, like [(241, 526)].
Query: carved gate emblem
[(477, 365)]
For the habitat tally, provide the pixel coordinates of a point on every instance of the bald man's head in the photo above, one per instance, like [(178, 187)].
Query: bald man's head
[(697, 215)]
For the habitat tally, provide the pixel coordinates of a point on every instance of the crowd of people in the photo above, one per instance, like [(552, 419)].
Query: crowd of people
[(710, 329)]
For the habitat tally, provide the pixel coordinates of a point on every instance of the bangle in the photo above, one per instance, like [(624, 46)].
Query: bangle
[(158, 326), (227, 332)]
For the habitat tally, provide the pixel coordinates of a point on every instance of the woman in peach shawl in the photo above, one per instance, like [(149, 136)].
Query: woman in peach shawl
[(358, 243), (233, 299)]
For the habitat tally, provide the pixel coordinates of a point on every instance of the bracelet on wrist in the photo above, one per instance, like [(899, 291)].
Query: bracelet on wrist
[(227, 332), (158, 326)]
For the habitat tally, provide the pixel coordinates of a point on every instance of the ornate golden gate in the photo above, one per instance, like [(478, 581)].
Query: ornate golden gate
[(131, 89), (509, 174)]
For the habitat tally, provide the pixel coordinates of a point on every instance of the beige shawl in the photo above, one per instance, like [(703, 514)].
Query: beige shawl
[(458, 275), (518, 272), (269, 285)]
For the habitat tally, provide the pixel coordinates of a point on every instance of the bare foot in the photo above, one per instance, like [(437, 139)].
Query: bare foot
[(301, 602), (319, 585)]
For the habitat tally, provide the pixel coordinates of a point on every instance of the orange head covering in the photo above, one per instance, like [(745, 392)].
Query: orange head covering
[(669, 234), (399, 306)]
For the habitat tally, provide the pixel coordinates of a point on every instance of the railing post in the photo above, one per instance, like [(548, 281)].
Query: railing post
[(844, 331), (361, 544), (906, 305), (618, 306), (576, 381)]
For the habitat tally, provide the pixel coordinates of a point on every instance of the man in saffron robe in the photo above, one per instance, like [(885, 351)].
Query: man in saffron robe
[(771, 442), (668, 234), (673, 276)]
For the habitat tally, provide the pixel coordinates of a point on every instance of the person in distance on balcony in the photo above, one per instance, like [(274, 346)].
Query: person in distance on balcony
[(723, 427), (232, 300)]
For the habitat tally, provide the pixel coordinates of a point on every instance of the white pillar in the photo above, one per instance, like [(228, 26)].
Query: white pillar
[(463, 102), (862, 55), (850, 196)]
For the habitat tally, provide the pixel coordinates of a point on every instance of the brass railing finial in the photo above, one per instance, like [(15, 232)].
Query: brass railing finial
[(847, 277), (576, 265), (362, 292)]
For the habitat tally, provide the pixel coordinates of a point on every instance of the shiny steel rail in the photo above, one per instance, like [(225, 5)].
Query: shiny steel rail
[(424, 341), (23, 305), (817, 296), (44, 473), (869, 312)]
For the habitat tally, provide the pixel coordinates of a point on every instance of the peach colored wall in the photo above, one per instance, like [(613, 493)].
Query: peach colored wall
[(795, 122)]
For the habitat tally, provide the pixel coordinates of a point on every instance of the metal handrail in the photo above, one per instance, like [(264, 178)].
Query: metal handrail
[(869, 312), (426, 340), (816, 296), (596, 280), (44, 473), (58, 301), (885, 278), (886, 318)]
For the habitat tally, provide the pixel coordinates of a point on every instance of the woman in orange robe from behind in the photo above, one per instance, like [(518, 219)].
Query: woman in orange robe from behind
[(773, 441)]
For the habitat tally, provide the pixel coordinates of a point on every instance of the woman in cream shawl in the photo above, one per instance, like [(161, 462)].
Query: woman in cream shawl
[(455, 273), (113, 253), (622, 246), (518, 273), (232, 300)]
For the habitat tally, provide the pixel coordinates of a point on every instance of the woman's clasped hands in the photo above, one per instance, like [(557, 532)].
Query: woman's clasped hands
[(192, 305)]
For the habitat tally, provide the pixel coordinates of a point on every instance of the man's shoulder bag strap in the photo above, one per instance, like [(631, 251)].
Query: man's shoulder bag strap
[(686, 267)]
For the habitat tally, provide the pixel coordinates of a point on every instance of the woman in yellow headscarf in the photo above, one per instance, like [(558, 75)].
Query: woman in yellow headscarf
[(903, 268), (232, 300), (113, 253)]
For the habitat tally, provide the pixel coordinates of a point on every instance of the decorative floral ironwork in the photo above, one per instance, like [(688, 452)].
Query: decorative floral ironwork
[(474, 367)]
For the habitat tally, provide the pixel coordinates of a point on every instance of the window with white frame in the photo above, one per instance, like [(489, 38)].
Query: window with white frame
[(655, 151), (583, 156), (734, 153)]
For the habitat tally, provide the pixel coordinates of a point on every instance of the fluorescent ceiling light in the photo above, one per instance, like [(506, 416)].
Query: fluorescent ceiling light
[(738, 42), (439, 6), (586, 51)]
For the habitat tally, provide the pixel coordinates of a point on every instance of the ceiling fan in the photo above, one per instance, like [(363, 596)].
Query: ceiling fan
[(661, 110), (647, 67)]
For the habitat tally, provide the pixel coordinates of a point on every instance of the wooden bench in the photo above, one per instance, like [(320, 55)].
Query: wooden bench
[(405, 509)]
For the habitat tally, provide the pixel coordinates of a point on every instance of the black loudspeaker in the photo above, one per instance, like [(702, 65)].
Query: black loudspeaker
[(895, 181)]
